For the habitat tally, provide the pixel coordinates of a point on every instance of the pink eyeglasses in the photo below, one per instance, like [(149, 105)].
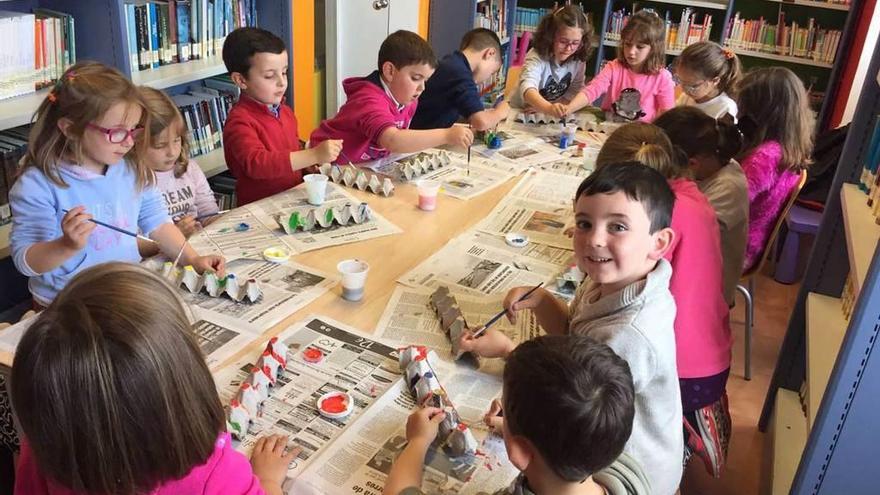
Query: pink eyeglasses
[(117, 135)]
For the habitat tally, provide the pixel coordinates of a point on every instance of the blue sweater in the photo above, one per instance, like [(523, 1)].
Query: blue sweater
[(449, 94), (113, 198)]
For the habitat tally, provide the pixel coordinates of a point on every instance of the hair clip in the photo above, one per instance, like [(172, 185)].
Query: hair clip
[(728, 53)]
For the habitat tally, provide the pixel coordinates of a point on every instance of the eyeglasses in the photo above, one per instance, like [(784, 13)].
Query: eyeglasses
[(688, 88), (117, 135), (568, 44)]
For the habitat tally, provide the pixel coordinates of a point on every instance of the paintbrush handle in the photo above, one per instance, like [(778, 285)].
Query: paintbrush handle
[(117, 229), (503, 311)]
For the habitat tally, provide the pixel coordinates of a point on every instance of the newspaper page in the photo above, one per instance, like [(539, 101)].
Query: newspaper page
[(478, 263), (464, 181), (236, 234), (548, 187), (526, 155), (570, 166), (267, 209), (353, 363), (541, 222)]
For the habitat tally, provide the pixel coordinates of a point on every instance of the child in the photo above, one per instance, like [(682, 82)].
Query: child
[(777, 126), (452, 91), (81, 164), (114, 396), (710, 145), (622, 217), (707, 73), (188, 196), (640, 66), (553, 71), (376, 118), (260, 139), (702, 319), (568, 412)]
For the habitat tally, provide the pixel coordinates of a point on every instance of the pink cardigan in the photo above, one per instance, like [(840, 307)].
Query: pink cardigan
[(769, 189), (657, 90), (702, 326)]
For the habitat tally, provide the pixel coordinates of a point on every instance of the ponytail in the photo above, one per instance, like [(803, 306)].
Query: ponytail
[(645, 143)]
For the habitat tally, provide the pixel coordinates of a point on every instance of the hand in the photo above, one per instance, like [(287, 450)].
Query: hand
[(209, 220), (493, 417), (328, 150), (188, 225), (76, 228), (459, 136), (270, 462), (422, 425), (512, 306), (490, 343), (503, 109), (557, 109), (213, 262)]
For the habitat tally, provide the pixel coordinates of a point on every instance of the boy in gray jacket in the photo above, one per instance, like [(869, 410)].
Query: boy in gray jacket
[(568, 411), (622, 217)]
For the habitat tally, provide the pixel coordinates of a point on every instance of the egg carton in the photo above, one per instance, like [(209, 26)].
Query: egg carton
[(322, 218), (421, 163), (256, 388), (209, 283), (451, 320), (583, 121), (417, 364), (352, 176)]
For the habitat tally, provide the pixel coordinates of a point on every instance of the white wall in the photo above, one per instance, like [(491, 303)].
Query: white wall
[(861, 71)]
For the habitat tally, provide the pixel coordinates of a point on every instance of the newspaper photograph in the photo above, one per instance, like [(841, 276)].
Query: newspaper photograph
[(220, 338), (466, 182), (541, 222), (354, 363), (478, 263)]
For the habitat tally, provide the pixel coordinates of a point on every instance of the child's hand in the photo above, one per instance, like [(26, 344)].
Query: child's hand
[(422, 425), (270, 462), (213, 262), (188, 225), (490, 343), (76, 228), (557, 109), (512, 306), (493, 417), (328, 150), (459, 136)]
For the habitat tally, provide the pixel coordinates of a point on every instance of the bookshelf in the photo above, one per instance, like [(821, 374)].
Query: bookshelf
[(781, 58), (818, 5), (168, 76), (669, 51)]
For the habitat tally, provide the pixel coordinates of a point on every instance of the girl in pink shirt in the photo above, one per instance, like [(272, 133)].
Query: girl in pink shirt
[(777, 126), (639, 69), (114, 396), (702, 326)]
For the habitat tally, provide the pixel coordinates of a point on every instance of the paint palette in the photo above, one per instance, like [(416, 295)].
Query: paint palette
[(335, 405)]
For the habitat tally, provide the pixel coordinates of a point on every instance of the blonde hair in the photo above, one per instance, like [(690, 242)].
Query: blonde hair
[(644, 143), (83, 94), (710, 60), (111, 388), (164, 114), (773, 106), (645, 26)]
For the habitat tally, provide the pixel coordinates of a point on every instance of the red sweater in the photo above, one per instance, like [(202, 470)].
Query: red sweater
[(257, 148)]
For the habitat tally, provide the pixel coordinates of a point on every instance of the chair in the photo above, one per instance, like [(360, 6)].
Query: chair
[(748, 291), (800, 221)]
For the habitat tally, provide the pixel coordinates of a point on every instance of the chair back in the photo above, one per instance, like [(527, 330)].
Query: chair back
[(780, 221)]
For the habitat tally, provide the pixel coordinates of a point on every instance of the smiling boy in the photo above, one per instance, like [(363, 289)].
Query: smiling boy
[(375, 119)]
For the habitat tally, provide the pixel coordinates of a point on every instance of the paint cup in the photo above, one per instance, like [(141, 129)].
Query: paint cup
[(354, 278), (428, 190), (590, 156), (316, 187)]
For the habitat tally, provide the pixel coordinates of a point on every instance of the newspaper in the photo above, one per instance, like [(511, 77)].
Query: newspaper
[(477, 263), (547, 187), (570, 166), (353, 363), (237, 234), (526, 155), (464, 181)]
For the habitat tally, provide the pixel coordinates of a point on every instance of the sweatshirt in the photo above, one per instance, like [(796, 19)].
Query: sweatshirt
[(37, 209), (368, 111), (555, 82), (637, 323), (657, 90), (188, 194)]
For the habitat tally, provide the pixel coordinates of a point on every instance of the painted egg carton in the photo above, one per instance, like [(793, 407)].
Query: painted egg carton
[(451, 320), (256, 388), (584, 121), (417, 364), (214, 286), (322, 218), (421, 163), (352, 176)]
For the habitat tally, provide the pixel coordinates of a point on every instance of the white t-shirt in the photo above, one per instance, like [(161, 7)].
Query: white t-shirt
[(715, 108), (555, 82)]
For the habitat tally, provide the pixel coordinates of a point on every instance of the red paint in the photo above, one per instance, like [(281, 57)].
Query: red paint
[(428, 203), (313, 355), (335, 404)]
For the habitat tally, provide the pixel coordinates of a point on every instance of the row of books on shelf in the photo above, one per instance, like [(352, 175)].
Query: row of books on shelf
[(13, 145), (527, 19), (26, 67), (869, 181), (175, 31), (691, 28), (223, 187), (492, 15), (204, 109), (494, 86), (795, 40)]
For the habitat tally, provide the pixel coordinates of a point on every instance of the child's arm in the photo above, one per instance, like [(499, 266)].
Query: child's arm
[(421, 430), (42, 257), (325, 152), (411, 140), (665, 97), (596, 87), (270, 462), (490, 117), (170, 240), (245, 151), (530, 85), (204, 197)]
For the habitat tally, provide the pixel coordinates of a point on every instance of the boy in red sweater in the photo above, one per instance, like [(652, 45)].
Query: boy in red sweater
[(375, 119), (260, 139)]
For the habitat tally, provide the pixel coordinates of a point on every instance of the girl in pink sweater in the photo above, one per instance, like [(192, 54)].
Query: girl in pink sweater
[(114, 396), (777, 126), (702, 326), (640, 66)]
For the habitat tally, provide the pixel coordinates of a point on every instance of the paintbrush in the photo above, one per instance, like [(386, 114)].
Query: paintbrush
[(177, 258), (117, 229), (501, 313), (209, 215), (345, 157)]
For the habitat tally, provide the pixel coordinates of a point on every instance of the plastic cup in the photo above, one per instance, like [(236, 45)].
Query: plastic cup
[(428, 190), (590, 156), (354, 278), (316, 187)]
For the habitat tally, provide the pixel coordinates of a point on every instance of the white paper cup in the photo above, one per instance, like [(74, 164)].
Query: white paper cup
[(428, 190), (354, 278), (316, 187), (590, 156)]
